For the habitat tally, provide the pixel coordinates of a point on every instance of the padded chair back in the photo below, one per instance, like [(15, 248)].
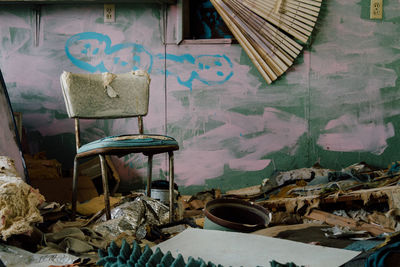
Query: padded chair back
[(106, 95)]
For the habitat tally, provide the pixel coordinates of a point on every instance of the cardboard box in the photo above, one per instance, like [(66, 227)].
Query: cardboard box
[(60, 190)]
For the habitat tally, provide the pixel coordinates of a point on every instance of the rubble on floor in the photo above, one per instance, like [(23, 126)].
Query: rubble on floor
[(134, 216), (15, 257), (359, 188), (18, 202), (354, 209)]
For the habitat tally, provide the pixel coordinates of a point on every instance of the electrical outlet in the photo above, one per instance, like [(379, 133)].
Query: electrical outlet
[(376, 9), (109, 13)]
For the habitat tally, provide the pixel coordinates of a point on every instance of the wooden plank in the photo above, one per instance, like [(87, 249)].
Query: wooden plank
[(332, 219), (251, 190), (380, 194)]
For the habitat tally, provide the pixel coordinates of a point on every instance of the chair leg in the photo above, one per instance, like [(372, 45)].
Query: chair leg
[(74, 189), (105, 186), (171, 186), (149, 174)]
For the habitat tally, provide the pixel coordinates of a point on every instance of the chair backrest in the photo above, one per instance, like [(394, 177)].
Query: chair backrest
[(106, 95)]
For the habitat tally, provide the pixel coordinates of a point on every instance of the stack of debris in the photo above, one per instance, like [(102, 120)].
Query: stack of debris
[(18, 202), (356, 208), (359, 197)]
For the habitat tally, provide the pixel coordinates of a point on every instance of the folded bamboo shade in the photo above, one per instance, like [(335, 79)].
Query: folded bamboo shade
[(272, 32)]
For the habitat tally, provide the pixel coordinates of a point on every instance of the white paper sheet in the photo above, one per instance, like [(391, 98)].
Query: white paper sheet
[(240, 249)]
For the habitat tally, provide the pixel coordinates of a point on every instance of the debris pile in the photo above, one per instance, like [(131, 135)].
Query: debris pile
[(18, 202), (359, 197), (357, 208)]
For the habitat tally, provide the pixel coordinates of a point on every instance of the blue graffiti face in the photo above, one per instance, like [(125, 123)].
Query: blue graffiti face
[(94, 52), (208, 69), (214, 69)]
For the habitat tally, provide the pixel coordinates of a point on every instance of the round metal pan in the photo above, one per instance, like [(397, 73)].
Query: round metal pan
[(236, 214)]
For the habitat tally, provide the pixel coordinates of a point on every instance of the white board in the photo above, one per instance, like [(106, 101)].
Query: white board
[(240, 249)]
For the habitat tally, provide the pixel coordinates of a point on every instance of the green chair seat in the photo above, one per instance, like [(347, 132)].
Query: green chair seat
[(129, 141)]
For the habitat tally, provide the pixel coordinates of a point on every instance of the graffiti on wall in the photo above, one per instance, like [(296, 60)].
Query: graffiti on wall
[(240, 125), (94, 52)]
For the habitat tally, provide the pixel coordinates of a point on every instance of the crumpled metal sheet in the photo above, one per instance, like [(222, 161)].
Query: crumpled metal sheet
[(311, 190), (292, 176), (13, 256), (300, 174), (345, 232), (133, 216), (358, 215)]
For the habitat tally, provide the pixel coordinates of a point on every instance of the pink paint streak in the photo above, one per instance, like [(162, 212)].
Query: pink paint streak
[(346, 135), (205, 156)]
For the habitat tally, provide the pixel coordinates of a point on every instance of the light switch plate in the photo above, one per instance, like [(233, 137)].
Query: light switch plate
[(376, 10), (109, 13)]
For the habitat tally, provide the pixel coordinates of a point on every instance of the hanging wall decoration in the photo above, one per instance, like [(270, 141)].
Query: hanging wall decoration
[(271, 32)]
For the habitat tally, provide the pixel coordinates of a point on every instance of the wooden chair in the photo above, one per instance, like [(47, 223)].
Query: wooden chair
[(111, 96)]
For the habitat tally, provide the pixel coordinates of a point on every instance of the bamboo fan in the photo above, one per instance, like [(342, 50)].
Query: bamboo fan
[(272, 32)]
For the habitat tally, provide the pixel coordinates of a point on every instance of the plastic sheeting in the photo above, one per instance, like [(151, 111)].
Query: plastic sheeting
[(132, 217), (16, 257)]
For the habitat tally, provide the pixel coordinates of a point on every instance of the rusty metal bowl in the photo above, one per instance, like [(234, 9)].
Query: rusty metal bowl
[(235, 214)]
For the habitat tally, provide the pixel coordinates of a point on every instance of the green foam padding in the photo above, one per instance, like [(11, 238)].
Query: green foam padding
[(125, 256)]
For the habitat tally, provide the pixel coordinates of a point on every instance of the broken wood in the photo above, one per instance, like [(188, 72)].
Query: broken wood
[(388, 194), (252, 190), (386, 220), (333, 220), (192, 213), (197, 204)]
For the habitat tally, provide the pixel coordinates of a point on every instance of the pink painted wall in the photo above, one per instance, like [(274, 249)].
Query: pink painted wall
[(336, 105)]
